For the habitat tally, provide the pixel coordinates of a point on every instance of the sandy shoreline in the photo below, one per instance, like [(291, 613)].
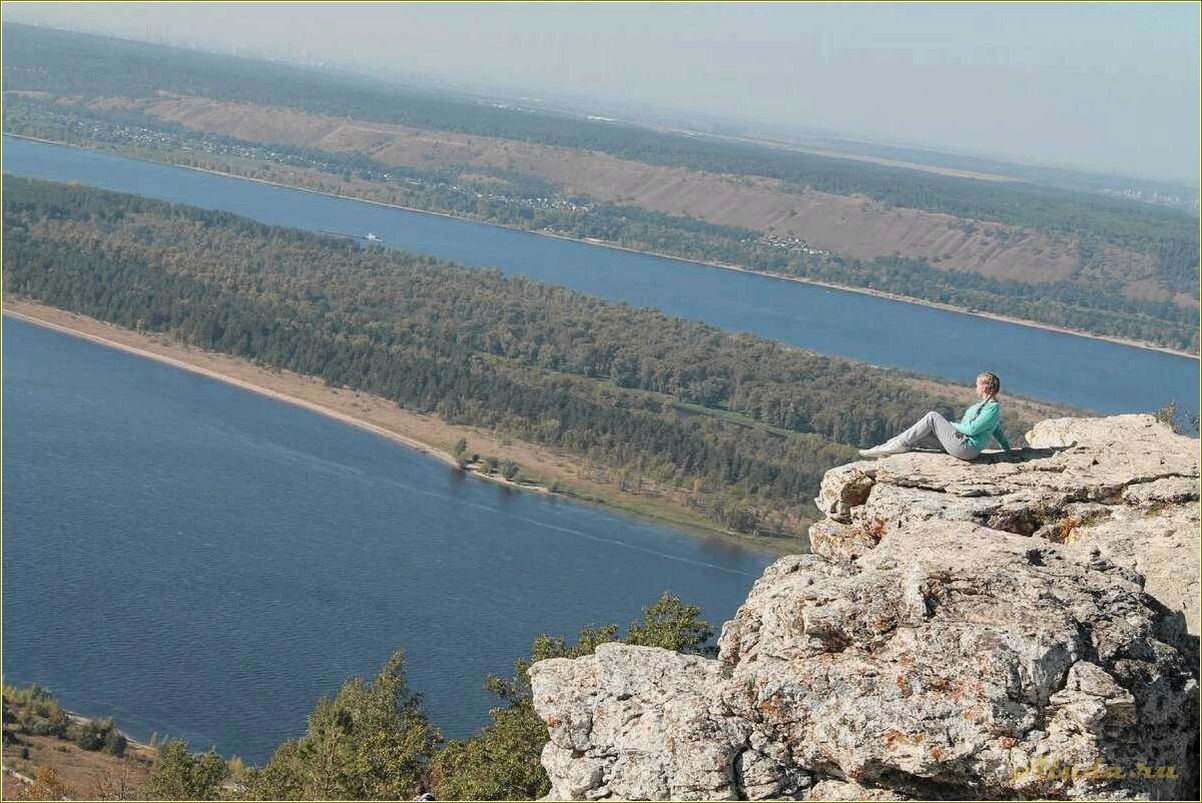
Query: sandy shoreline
[(424, 448), (425, 433), (1140, 344), (150, 355)]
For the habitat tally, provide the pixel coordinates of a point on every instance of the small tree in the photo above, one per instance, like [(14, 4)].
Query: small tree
[(183, 776), (115, 742), (459, 452), (115, 783), (47, 785), (1170, 416), (372, 741), (1167, 415), (38, 713), (671, 624)]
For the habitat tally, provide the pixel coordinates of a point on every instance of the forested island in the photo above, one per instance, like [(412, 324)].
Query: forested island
[(1087, 262), (737, 428)]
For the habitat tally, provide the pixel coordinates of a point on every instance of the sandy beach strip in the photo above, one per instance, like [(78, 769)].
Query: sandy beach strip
[(425, 433)]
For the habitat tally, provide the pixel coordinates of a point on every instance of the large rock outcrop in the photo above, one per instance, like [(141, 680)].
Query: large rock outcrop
[(1125, 487), (951, 647)]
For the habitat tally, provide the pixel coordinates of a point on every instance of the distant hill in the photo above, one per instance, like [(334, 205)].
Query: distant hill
[(1098, 263)]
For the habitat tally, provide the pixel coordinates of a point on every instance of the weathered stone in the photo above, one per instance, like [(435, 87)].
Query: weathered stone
[(950, 660), (929, 666), (837, 541), (842, 489), (920, 654), (1126, 486), (846, 790), (637, 723)]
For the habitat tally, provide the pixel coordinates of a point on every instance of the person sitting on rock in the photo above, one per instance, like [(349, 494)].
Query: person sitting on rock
[(964, 440)]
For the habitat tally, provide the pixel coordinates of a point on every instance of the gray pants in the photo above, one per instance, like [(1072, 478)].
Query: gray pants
[(933, 431)]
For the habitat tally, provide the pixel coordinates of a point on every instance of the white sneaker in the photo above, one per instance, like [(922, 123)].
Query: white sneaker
[(885, 449)]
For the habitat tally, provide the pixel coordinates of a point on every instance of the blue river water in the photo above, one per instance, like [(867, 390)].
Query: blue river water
[(1078, 371), (204, 562)]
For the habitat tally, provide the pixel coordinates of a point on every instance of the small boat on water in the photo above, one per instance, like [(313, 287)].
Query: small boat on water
[(374, 238)]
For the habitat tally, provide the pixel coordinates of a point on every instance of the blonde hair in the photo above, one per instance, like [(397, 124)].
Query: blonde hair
[(992, 383)]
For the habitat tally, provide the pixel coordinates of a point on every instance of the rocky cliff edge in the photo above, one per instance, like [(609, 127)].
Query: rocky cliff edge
[(1021, 626)]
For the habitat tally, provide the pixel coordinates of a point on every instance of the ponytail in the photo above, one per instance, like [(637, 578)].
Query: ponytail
[(993, 384)]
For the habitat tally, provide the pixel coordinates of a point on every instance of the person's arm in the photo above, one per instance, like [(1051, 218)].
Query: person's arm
[(987, 421), (1000, 435)]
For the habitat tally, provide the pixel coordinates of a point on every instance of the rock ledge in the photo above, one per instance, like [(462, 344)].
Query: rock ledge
[(986, 630)]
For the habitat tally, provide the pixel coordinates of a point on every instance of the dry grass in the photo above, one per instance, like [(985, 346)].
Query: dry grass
[(87, 774)]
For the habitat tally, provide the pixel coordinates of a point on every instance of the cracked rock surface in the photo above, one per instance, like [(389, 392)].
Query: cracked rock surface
[(937, 656), (1123, 487)]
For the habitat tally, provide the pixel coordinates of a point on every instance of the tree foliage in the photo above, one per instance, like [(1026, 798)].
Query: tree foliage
[(181, 775), (47, 785), (371, 741)]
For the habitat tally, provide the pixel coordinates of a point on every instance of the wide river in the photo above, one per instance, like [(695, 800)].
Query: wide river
[(201, 561), (1078, 371)]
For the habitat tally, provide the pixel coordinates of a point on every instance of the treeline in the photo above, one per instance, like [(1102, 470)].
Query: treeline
[(518, 200), (741, 426), (34, 711), (131, 129), (64, 63)]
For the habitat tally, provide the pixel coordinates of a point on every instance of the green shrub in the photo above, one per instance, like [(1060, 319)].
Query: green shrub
[(115, 743), (89, 734), (183, 776)]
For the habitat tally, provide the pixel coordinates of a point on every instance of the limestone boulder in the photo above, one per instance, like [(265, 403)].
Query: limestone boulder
[(949, 661), (1125, 487)]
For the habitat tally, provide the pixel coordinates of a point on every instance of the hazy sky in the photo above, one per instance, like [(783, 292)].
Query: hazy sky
[(1113, 87)]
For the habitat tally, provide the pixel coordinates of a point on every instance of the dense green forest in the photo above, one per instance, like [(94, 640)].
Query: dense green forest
[(743, 425), (79, 65), (522, 201)]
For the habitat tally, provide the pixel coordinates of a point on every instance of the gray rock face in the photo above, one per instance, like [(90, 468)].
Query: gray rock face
[(932, 656), (1124, 487)]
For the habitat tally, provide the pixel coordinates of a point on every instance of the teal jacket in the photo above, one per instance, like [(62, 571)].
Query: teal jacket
[(979, 426)]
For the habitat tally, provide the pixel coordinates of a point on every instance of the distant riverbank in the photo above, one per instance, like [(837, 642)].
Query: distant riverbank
[(1133, 343), (545, 470)]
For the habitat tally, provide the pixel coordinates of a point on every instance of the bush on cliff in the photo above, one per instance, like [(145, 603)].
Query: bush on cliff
[(502, 762)]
